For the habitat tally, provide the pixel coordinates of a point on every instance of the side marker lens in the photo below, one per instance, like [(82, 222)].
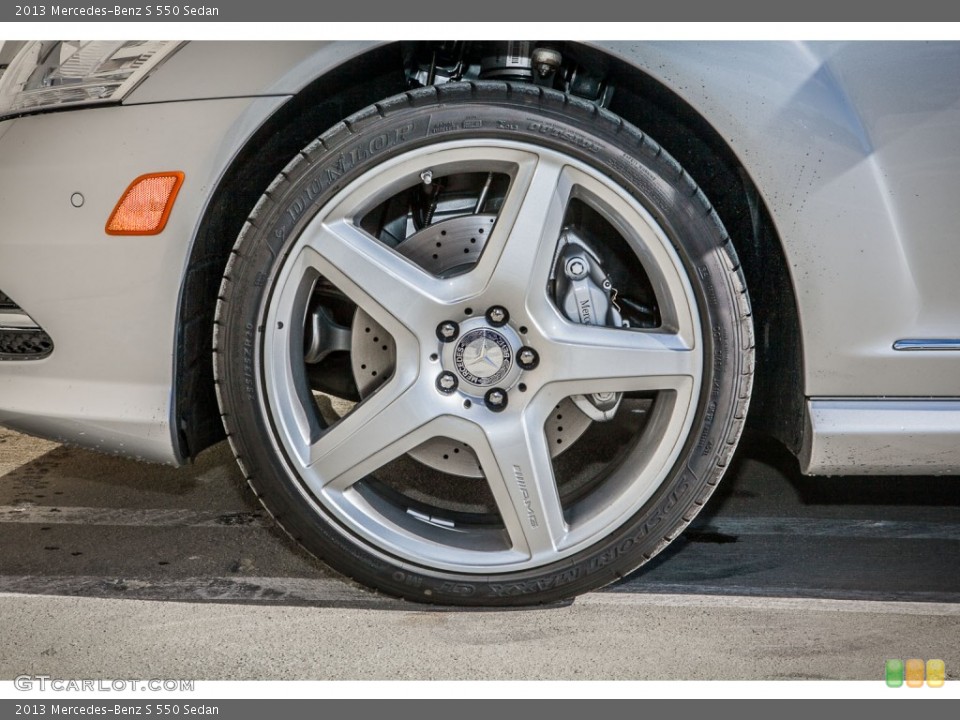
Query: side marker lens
[(144, 207)]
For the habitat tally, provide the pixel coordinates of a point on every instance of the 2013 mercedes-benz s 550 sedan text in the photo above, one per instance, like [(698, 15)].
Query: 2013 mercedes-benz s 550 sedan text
[(483, 321)]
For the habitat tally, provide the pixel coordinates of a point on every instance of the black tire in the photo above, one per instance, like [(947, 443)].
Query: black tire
[(533, 117)]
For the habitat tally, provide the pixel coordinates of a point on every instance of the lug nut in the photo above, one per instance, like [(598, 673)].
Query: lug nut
[(497, 316), (446, 382), (496, 399), (576, 268), (528, 358), (447, 331)]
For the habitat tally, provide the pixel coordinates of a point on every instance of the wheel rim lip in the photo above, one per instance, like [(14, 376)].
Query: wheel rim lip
[(353, 513)]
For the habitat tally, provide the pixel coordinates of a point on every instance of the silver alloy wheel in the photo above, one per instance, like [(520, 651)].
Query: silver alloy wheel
[(513, 272)]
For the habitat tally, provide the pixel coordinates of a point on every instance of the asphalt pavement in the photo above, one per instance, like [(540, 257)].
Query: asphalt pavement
[(112, 568)]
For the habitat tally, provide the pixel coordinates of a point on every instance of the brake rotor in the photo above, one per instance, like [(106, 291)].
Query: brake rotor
[(446, 248)]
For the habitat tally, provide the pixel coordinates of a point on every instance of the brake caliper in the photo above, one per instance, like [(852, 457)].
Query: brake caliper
[(584, 293)]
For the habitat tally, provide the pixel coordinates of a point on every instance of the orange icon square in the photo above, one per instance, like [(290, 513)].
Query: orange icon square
[(914, 668)]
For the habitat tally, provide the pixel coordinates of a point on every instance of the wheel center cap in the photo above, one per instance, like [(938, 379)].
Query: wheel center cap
[(483, 356)]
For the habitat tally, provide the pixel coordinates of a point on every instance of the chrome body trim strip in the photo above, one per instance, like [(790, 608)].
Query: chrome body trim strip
[(17, 321), (927, 344)]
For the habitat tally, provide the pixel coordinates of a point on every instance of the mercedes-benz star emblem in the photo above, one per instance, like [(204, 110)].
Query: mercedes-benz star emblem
[(483, 357)]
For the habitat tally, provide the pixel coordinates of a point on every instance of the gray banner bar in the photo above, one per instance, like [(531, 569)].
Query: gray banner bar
[(466, 708), (486, 11)]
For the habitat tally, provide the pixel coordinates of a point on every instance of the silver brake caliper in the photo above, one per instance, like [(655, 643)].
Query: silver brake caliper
[(584, 293)]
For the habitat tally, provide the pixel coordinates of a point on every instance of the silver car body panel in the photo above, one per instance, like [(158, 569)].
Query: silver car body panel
[(855, 147), (881, 437), (859, 177), (109, 302)]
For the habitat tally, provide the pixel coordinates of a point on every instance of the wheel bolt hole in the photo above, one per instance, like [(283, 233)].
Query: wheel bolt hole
[(522, 387), (279, 326), (523, 329), (468, 311), (467, 404), (434, 357)]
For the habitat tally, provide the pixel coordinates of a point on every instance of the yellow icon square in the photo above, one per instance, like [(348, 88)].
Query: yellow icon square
[(936, 673)]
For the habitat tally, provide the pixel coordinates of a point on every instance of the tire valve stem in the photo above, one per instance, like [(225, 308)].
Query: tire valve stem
[(432, 193)]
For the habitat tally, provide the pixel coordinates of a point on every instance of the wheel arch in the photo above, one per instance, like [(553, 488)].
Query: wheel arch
[(777, 406), (321, 103)]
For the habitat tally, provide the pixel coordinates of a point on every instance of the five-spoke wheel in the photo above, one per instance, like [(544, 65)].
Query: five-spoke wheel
[(440, 299)]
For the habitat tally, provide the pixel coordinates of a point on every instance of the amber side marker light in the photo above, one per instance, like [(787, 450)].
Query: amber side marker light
[(145, 205)]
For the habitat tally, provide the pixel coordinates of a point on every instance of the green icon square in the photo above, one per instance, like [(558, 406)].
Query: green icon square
[(894, 673)]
